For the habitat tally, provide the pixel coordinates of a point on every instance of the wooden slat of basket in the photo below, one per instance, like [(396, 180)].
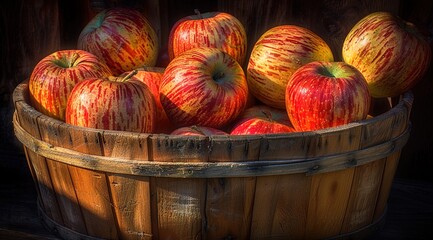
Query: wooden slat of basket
[(229, 201), (130, 195), (281, 206), (229, 204), (37, 163), (391, 165), (61, 178), (91, 186), (365, 189), (276, 147), (178, 210), (327, 203), (330, 191)]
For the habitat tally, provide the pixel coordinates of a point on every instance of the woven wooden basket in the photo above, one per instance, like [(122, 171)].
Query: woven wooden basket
[(121, 185)]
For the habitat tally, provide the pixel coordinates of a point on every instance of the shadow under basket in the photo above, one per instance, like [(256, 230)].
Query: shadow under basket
[(332, 183)]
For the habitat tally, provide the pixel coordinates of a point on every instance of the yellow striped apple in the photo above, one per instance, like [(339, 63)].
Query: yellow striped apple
[(391, 53), (54, 76), (326, 94), (276, 55), (122, 37), (203, 86), (262, 119), (212, 29), (152, 77), (197, 131), (112, 103)]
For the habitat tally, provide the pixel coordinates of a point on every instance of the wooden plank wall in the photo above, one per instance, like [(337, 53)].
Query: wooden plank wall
[(31, 30)]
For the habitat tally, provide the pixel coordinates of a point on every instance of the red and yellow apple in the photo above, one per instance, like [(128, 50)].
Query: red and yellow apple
[(53, 78), (152, 76), (391, 53), (112, 103), (262, 119), (326, 94), (212, 29), (205, 87), (197, 131), (276, 55), (121, 37)]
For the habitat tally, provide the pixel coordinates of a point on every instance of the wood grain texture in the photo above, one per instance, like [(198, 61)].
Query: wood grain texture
[(130, 195), (38, 164)]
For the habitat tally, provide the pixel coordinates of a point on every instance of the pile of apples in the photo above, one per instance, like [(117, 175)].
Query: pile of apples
[(290, 82)]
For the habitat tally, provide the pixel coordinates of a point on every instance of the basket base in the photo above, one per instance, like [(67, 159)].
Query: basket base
[(69, 234)]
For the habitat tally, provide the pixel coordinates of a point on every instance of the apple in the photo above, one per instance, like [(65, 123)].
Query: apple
[(203, 86), (212, 29), (152, 76), (391, 53), (53, 78), (197, 131), (326, 94), (122, 37), (262, 119), (276, 55), (112, 103)]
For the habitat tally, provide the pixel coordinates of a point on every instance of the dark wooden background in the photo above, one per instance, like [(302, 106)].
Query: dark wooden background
[(32, 29)]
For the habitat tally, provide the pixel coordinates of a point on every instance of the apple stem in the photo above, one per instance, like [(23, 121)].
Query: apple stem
[(198, 13), (268, 115), (197, 129), (130, 74)]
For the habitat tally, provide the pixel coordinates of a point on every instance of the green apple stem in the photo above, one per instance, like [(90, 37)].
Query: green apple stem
[(198, 13), (130, 74)]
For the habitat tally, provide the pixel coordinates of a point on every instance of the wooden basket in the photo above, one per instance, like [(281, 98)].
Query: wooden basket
[(120, 185)]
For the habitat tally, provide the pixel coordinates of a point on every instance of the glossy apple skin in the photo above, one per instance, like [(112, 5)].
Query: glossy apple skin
[(391, 53), (197, 131), (122, 37), (212, 29), (152, 76), (326, 94), (262, 119), (53, 78), (112, 104), (205, 87), (276, 55)]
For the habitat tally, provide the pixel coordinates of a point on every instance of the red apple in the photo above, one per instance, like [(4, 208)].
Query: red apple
[(112, 103), (152, 77), (55, 75), (197, 131), (123, 38), (262, 119), (326, 94), (277, 54), (390, 52), (203, 86), (212, 29)]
